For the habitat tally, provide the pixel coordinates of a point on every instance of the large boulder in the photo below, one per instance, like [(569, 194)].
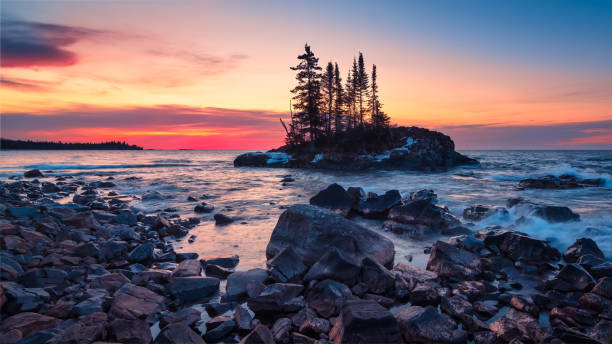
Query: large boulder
[(28, 323), (581, 247), (426, 325), (364, 322), (550, 213), (376, 206), (452, 262), (572, 277), (519, 246), (311, 231), (237, 283), (334, 198), (192, 289)]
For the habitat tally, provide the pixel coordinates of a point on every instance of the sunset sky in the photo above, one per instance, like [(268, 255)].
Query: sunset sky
[(215, 74)]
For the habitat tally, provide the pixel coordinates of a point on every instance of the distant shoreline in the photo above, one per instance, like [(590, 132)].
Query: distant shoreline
[(6, 144)]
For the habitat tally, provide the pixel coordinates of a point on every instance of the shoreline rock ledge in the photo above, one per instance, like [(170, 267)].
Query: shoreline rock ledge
[(396, 148)]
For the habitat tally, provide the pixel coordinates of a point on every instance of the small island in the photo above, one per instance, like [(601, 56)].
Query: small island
[(343, 127), (6, 144)]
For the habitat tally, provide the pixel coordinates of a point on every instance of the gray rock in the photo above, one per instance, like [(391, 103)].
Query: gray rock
[(192, 289), (364, 321), (334, 265), (236, 287), (425, 325)]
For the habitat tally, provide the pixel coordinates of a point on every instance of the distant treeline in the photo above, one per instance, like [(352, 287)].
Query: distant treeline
[(48, 145)]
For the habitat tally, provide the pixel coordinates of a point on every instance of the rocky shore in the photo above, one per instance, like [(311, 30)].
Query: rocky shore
[(94, 269), (404, 148)]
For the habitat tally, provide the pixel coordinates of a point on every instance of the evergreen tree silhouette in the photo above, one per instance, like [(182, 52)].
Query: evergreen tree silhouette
[(307, 94)]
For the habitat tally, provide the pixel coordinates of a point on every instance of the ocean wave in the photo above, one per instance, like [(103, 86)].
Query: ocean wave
[(172, 161), (557, 170), (97, 167)]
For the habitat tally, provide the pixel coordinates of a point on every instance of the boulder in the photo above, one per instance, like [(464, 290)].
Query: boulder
[(451, 262), (480, 212), (581, 247), (334, 198), (243, 319), (456, 306), (186, 316), (281, 329), (88, 329), (572, 278), (334, 265), (327, 297), (365, 321), (131, 331), (222, 220), (217, 271), (311, 231), (275, 298), (236, 287), (515, 324), (192, 289), (35, 173), (133, 302), (425, 325), (550, 213), (178, 333), (226, 261), (378, 279), (260, 335), (286, 266), (604, 287), (203, 208), (19, 299), (315, 327), (187, 268), (218, 327), (518, 246), (142, 253), (422, 211), (28, 323), (375, 206)]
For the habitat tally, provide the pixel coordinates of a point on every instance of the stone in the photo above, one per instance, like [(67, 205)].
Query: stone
[(243, 319), (480, 212), (133, 302), (300, 317), (572, 277), (280, 330), (515, 324), (473, 290), (225, 261), (23, 211), (113, 250), (581, 247), (327, 297), (218, 327), (187, 268), (131, 331), (422, 212), (142, 253), (375, 206), (550, 213), (334, 265), (217, 271), (35, 173), (20, 299), (186, 316), (418, 325), (260, 335), (524, 305), (456, 306), (334, 198), (192, 289), (204, 208), (275, 298), (286, 266), (311, 231), (111, 282), (568, 335), (365, 321), (413, 273), (603, 287), (87, 329), (378, 279), (424, 294), (28, 323), (178, 333), (315, 327), (154, 275), (601, 332), (236, 287), (222, 220), (451, 262), (180, 256)]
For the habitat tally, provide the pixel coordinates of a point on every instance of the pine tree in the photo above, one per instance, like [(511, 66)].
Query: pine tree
[(355, 93), (328, 93), (339, 100), (307, 94), (379, 118), (362, 87)]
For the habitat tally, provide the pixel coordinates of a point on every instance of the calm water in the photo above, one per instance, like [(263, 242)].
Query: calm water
[(254, 195)]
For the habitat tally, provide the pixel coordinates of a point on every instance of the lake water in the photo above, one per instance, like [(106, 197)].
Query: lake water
[(255, 195)]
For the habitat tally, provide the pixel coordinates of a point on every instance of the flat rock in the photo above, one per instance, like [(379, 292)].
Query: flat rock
[(133, 302), (192, 289), (187, 268)]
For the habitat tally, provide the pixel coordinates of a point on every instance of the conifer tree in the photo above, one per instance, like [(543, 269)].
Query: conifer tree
[(379, 118), (328, 94), (362, 87), (307, 94), (355, 93), (339, 99)]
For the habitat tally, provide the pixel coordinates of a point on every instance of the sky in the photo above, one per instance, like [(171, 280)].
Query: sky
[(172, 74)]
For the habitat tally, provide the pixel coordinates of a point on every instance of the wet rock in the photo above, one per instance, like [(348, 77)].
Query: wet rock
[(524, 305), (486, 309), (142, 253), (311, 231), (419, 324), (456, 306), (113, 250), (422, 212), (236, 287), (562, 182), (518, 246), (218, 327), (243, 319), (334, 198), (315, 327), (516, 324), (479, 212), (449, 261), (38, 278), (568, 335), (260, 335), (413, 273), (35, 173), (327, 297), (226, 261), (48, 187), (134, 302), (178, 333), (378, 279), (601, 332), (581, 247), (222, 220), (424, 294), (217, 271), (187, 268), (28, 323), (203, 208), (375, 206), (334, 265), (275, 298), (603, 287), (131, 331), (594, 302), (214, 308), (23, 211), (186, 316), (363, 321), (82, 220), (154, 275), (280, 330), (192, 289), (550, 213), (473, 290), (19, 299), (186, 255), (286, 266), (88, 329), (596, 266), (300, 317), (572, 278)]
